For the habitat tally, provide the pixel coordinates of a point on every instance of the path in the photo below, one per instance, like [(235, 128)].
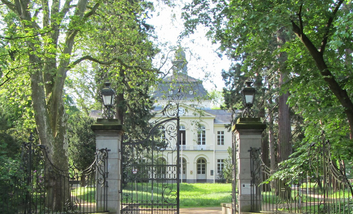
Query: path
[(203, 210)]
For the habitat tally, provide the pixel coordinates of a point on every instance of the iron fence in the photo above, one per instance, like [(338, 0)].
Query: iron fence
[(41, 187), (321, 186)]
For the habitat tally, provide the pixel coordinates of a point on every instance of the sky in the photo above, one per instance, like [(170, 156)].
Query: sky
[(203, 61)]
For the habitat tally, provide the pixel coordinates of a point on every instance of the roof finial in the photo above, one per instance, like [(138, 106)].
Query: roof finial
[(179, 62)]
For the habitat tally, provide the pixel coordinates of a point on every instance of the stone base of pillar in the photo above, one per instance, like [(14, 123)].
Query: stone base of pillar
[(108, 135), (247, 133)]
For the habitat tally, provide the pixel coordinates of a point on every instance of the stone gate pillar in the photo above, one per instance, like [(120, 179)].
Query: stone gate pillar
[(109, 135), (247, 133)]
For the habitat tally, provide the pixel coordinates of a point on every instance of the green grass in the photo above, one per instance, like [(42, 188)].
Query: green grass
[(85, 193), (205, 195), (191, 195), (341, 194), (270, 197), (309, 185)]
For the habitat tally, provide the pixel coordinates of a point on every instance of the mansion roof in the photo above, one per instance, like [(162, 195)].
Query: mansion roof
[(190, 87)]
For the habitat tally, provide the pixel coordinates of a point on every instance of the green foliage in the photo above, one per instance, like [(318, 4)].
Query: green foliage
[(217, 99), (253, 34), (11, 184), (227, 172), (12, 177), (10, 147), (127, 44), (81, 139)]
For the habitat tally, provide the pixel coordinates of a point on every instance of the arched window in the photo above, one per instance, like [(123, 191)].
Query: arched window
[(201, 135), (201, 166)]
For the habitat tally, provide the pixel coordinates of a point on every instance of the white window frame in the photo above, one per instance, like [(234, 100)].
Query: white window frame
[(220, 165), (201, 135), (201, 166), (220, 138)]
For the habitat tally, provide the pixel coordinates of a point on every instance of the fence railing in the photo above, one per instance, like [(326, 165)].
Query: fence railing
[(41, 187), (319, 186)]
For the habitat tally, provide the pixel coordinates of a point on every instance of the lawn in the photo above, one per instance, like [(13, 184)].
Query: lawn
[(191, 195), (204, 194)]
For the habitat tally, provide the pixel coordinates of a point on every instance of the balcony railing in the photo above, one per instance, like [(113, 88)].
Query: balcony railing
[(202, 147), (194, 147)]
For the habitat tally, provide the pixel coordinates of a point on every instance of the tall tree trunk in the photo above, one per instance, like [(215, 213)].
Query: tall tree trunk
[(271, 138), (284, 146)]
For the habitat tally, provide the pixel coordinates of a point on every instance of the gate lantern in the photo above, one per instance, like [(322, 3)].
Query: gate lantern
[(108, 95), (248, 94)]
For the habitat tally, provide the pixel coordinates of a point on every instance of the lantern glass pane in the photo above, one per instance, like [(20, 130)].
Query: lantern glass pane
[(107, 100), (249, 98)]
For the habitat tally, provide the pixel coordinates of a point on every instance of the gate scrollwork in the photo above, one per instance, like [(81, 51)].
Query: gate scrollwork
[(151, 167)]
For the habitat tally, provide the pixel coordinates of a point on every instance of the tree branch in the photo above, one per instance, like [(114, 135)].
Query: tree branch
[(328, 26), (165, 61), (24, 37), (340, 93), (9, 5), (301, 19), (71, 35), (90, 58), (7, 78), (307, 42), (45, 5), (91, 12)]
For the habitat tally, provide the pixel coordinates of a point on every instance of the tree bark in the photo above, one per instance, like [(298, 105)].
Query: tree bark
[(284, 147), (271, 137), (284, 129)]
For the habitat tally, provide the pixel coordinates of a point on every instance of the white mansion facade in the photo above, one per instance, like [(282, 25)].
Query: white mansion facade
[(204, 137)]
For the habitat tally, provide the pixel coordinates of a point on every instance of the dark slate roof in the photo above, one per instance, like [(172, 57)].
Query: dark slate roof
[(222, 116), (190, 87)]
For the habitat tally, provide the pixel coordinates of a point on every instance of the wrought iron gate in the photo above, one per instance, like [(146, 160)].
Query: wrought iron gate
[(256, 169), (317, 186), (151, 168), (41, 187)]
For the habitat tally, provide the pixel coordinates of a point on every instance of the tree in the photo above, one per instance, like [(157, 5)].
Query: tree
[(317, 62), (44, 41), (45, 57), (126, 46), (82, 144), (41, 38)]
